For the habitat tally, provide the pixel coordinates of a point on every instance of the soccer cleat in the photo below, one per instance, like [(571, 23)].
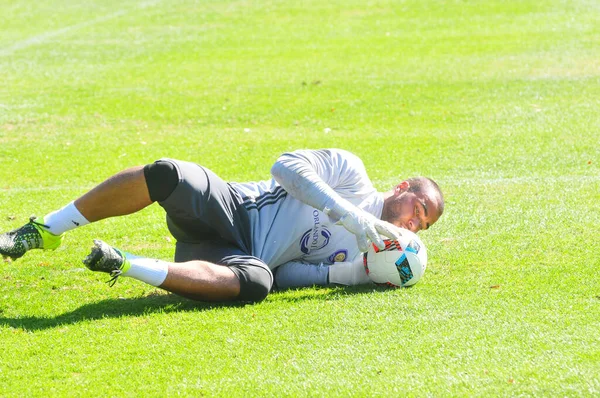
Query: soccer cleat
[(33, 235), (105, 258)]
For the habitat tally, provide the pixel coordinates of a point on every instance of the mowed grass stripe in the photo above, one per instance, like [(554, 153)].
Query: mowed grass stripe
[(52, 34)]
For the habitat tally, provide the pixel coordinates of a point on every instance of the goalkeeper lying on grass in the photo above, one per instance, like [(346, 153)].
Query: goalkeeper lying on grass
[(305, 225)]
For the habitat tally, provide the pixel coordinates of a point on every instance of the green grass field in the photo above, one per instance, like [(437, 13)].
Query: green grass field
[(498, 101)]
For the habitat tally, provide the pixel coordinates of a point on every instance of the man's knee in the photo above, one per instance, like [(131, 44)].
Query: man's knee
[(161, 178), (256, 279)]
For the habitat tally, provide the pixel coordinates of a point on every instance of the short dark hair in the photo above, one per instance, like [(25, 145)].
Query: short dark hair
[(420, 184)]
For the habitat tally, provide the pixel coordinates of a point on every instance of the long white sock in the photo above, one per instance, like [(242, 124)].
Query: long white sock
[(65, 219), (148, 270)]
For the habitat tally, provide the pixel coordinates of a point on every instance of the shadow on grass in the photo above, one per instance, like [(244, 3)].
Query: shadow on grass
[(167, 303), (321, 293), (114, 308)]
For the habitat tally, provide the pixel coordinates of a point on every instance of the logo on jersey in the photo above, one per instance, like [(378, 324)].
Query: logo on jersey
[(315, 238), (338, 256)]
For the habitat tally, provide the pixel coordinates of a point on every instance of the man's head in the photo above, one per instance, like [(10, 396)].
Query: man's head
[(414, 204)]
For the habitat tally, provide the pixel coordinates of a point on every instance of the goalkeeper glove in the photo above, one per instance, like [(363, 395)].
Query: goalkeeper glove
[(368, 228)]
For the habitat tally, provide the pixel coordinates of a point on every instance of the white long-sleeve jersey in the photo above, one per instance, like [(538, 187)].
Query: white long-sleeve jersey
[(290, 225)]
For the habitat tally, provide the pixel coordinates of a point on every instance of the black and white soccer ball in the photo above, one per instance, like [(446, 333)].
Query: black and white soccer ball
[(401, 263)]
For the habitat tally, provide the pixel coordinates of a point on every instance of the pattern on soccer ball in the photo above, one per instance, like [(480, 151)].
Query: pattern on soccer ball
[(404, 270)]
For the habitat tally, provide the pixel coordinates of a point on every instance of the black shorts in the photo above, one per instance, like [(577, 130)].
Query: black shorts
[(207, 218)]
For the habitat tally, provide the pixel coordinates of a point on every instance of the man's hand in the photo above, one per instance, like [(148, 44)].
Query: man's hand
[(368, 228)]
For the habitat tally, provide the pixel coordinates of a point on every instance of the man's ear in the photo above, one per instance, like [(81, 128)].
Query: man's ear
[(402, 187)]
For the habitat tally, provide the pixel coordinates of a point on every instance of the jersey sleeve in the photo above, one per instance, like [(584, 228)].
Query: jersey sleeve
[(301, 274), (317, 177)]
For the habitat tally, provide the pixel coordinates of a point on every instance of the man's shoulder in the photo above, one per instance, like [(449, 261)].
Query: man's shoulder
[(340, 156)]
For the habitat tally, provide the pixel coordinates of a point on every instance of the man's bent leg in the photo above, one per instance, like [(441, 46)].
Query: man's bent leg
[(202, 280), (254, 277), (198, 280), (121, 194), (124, 193), (237, 277)]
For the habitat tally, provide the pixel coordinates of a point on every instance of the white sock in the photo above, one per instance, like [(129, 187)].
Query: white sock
[(148, 270), (65, 219)]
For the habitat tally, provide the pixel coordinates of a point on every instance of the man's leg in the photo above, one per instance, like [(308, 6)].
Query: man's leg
[(202, 280), (236, 277), (123, 193), (127, 192)]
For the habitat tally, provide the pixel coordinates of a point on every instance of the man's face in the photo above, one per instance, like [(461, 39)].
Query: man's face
[(410, 210)]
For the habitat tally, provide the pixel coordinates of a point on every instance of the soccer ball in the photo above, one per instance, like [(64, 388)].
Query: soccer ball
[(401, 263)]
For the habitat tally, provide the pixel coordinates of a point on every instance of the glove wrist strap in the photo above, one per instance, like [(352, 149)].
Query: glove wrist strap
[(337, 209)]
